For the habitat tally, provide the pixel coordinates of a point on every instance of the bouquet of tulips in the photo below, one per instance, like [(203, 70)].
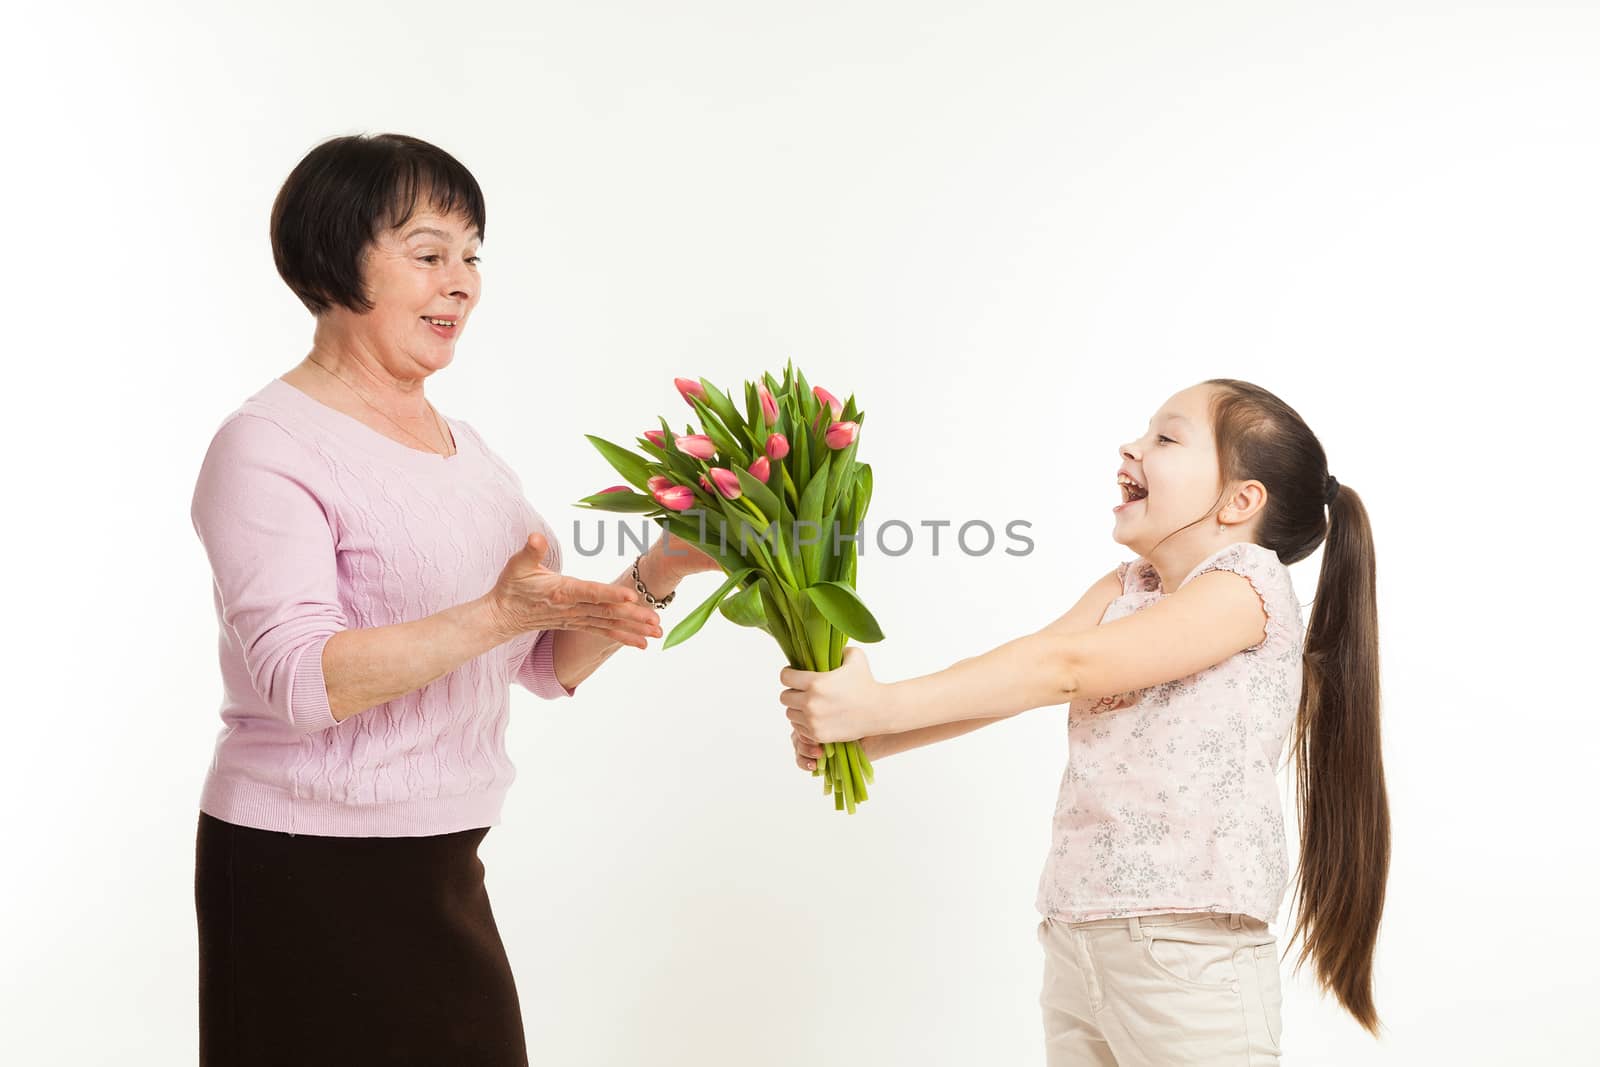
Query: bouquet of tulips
[(774, 493)]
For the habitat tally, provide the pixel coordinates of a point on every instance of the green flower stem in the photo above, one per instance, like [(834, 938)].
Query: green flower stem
[(819, 646), (788, 487), (753, 511), (780, 552), (802, 661), (791, 614), (852, 753)]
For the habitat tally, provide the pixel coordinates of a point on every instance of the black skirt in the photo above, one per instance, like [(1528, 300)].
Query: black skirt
[(349, 951)]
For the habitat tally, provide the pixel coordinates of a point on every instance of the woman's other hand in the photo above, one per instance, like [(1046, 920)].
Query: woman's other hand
[(530, 596), (677, 559)]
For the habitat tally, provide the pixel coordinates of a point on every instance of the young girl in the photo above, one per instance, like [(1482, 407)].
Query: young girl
[(1182, 671)]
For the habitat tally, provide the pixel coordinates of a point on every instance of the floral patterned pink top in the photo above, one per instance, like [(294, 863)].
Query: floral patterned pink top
[(1170, 800)]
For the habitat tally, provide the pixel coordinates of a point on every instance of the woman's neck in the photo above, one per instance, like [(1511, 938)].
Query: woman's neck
[(358, 364)]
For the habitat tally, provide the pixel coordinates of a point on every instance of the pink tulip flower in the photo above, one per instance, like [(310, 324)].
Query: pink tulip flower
[(825, 397), (777, 447), (688, 387), (656, 437), (761, 470), (841, 435), (727, 482), (697, 445), (658, 483), (616, 489), (769, 406), (675, 498)]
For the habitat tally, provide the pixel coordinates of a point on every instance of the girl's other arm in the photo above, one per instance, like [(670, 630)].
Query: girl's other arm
[(1214, 616)]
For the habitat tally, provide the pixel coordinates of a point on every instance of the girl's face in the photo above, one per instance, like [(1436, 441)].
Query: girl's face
[(1175, 461)]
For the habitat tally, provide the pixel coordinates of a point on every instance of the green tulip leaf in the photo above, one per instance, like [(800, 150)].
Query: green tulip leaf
[(759, 494), (810, 521), (631, 503), (729, 450), (634, 468), (840, 605), (718, 401), (697, 618), (744, 607)]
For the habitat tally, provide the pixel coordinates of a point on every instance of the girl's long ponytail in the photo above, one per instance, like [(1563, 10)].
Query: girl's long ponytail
[(1338, 759)]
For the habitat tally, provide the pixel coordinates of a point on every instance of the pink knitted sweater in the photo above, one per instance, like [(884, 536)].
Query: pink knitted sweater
[(314, 523)]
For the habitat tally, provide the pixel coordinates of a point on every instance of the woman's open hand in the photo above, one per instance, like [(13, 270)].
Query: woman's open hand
[(530, 596)]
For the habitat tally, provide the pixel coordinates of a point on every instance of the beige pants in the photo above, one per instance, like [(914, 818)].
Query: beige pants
[(1160, 991)]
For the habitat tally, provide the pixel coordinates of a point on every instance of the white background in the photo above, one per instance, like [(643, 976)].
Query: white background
[(1012, 232)]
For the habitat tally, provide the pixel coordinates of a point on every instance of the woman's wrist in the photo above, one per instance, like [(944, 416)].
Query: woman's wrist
[(486, 618), (657, 572)]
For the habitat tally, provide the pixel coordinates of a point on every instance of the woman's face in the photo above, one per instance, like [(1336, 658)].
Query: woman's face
[(422, 279), (1176, 461)]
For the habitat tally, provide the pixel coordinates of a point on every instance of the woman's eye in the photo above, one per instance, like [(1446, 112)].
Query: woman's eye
[(1164, 437), (428, 259), (474, 260)]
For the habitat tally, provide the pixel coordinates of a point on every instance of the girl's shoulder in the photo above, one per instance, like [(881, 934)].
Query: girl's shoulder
[(1139, 575), (1259, 565), (1242, 557), (1269, 577)]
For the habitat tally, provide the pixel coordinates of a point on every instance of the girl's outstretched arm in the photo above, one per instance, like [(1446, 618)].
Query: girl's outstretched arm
[(1083, 615), (807, 751), (1212, 617)]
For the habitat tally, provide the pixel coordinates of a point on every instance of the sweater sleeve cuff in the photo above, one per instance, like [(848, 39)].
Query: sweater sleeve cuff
[(538, 673), (308, 692)]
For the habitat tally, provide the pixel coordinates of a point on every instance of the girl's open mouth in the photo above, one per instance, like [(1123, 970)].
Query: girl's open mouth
[(1131, 494)]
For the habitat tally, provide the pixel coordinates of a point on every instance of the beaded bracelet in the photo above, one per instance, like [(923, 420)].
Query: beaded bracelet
[(638, 583)]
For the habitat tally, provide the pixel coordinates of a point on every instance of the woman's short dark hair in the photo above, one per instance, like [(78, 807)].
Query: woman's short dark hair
[(338, 198)]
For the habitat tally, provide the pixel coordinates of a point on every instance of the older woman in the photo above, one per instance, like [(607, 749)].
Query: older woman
[(380, 581)]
